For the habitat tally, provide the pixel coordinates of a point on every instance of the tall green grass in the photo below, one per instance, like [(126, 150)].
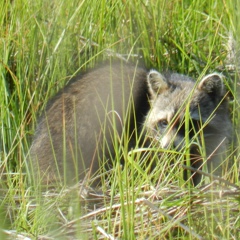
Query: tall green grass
[(43, 44)]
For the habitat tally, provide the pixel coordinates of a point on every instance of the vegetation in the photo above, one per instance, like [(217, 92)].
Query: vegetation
[(45, 43)]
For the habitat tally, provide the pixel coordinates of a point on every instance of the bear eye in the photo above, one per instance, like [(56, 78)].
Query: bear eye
[(163, 123)]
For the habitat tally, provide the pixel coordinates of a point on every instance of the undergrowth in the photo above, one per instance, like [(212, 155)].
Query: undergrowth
[(45, 43)]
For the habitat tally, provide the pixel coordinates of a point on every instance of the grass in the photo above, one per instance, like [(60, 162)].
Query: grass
[(43, 44)]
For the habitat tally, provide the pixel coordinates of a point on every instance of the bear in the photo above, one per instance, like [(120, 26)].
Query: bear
[(122, 104)]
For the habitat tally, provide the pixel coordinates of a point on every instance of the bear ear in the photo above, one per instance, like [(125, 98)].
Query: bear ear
[(212, 84), (156, 83)]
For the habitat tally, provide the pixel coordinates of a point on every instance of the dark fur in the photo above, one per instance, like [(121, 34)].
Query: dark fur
[(79, 111), (83, 122)]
